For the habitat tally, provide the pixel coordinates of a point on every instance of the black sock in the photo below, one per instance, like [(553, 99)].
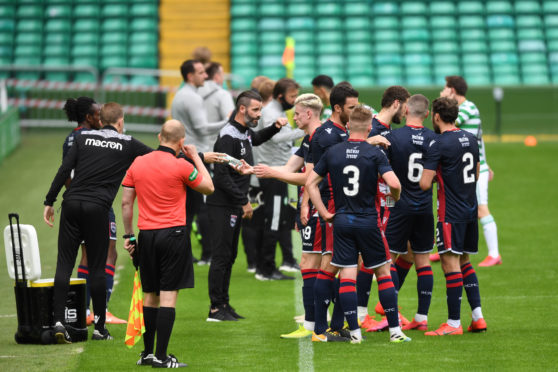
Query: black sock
[(150, 319), (165, 321)]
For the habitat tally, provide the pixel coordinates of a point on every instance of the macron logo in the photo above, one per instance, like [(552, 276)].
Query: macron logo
[(106, 144)]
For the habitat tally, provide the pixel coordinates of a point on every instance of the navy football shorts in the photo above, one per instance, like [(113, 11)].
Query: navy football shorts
[(358, 234), (403, 227), (112, 224), (458, 238), (311, 235)]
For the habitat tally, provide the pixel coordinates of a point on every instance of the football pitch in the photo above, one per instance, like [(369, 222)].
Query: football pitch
[(519, 298)]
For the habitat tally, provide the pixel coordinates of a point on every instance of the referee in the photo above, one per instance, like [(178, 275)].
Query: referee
[(159, 181), (99, 159)]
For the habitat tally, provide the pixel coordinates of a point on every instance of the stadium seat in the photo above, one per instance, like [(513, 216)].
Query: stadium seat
[(240, 37), (25, 51), (302, 36), (499, 21), (441, 21), (525, 46), (361, 35), (531, 58), (299, 10), (498, 7), (551, 33), (356, 8), (414, 22), (413, 8), (499, 34), (330, 37), (358, 49), (271, 24), (144, 25), (7, 11), (387, 59), (29, 26), (27, 61), (385, 8), (361, 80), (114, 11), (271, 49), (274, 73), (57, 51), (415, 34), (243, 24), (360, 63), (304, 61), (144, 61), (418, 77), (328, 49), (550, 6), (503, 46), (57, 38), (86, 25), (7, 39), (449, 34), (357, 23), (385, 35), (58, 25), (535, 79), (270, 61), (475, 59), (477, 78), (269, 9), (29, 38), (506, 79), (143, 49), (84, 62), (385, 22), (242, 10), (112, 50), (329, 23), (552, 46), (86, 10), (417, 47), (143, 80), (473, 47), (119, 38), (273, 37), (58, 11), (446, 59), (328, 9), (470, 7), (530, 34), (115, 25), (527, 21), (442, 7), (143, 10), (6, 52), (446, 69), (30, 11), (113, 61), (388, 47), (57, 75), (444, 47), (301, 23), (523, 7), (85, 51), (471, 21), (7, 25)]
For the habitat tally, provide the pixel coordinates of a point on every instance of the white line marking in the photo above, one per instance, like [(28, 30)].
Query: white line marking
[(8, 316)]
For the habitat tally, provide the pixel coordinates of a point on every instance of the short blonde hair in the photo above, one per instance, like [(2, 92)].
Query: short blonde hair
[(360, 119), (265, 88), (310, 101), (111, 112)]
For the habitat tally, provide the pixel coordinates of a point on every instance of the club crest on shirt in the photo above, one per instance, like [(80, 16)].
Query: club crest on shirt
[(243, 149), (328, 130), (234, 217)]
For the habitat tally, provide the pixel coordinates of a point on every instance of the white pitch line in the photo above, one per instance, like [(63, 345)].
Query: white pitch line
[(8, 316), (305, 348)]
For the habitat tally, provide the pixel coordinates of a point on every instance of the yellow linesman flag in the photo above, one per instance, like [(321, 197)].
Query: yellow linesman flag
[(288, 59), (136, 325)]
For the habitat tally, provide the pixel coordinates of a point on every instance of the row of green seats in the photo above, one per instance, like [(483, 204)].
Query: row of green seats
[(38, 11), (83, 25)]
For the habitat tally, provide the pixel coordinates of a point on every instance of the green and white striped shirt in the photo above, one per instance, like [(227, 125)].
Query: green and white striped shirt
[(469, 120)]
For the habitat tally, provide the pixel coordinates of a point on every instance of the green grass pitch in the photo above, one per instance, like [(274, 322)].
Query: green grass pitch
[(520, 300)]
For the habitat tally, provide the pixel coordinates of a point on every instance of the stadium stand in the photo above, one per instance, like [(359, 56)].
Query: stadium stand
[(404, 42)]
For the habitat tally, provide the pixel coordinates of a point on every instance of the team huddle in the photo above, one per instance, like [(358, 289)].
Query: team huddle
[(366, 208)]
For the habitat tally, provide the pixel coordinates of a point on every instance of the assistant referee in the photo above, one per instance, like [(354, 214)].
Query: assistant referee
[(159, 180), (99, 159)]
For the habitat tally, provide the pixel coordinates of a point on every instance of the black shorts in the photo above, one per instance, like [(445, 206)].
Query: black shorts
[(165, 260), (403, 227), (311, 235), (358, 234), (458, 238), (112, 225)]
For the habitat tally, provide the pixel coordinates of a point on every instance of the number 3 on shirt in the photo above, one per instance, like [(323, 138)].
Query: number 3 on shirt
[(354, 174), (468, 176)]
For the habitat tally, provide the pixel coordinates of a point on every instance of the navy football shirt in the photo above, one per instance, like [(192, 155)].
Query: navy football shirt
[(379, 128), (327, 135), (406, 156), (353, 166), (454, 155)]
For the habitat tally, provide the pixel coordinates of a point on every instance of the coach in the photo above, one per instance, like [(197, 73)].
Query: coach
[(229, 204), (99, 159), (159, 180)]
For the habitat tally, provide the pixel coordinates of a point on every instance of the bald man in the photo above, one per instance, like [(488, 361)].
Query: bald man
[(159, 181)]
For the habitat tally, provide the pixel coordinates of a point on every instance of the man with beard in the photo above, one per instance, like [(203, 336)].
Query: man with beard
[(229, 204), (276, 152), (394, 107)]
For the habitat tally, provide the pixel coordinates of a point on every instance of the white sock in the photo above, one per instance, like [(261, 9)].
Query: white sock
[(394, 330), (362, 311), (88, 312), (477, 313), (454, 323), (490, 235), (309, 326), (356, 333), (420, 318)]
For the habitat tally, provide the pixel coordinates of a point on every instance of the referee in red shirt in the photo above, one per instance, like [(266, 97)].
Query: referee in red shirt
[(159, 181)]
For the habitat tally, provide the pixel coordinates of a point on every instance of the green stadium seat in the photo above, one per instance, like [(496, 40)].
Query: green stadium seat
[(552, 46), (499, 21), (446, 69), (498, 34), (144, 49), (7, 25), (385, 22), (361, 35), (475, 58), (385, 35), (304, 48), (304, 61), (528, 21), (503, 46), (441, 21), (506, 79), (444, 47), (446, 59), (304, 76), (328, 9), (115, 25), (243, 10), (247, 74), (114, 10), (357, 23), (473, 47), (329, 37), (418, 77), (30, 11), (115, 79), (384, 78), (413, 8), (6, 52), (112, 50), (387, 59), (85, 51), (416, 47), (328, 48), (358, 49), (415, 34), (360, 63), (503, 59), (534, 68), (442, 7), (238, 37), (535, 79), (243, 61), (86, 25), (327, 61), (84, 62), (417, 59), (143, 62), (58, 11), (388, 47), (273, 37), (480, 69), (529, 58), (414, 22), (243, 24), (442, 34), (57, 75), (27, 61), (471, 21), (525, 46), (7, 39), (27, 51), (7, 11), (144, 80), (144, 25), (274, 73), (120, 38), (271, 24), (473, 34), (551, 21), (29, 25), (268, 9), (271, 49), (57, 51), (356, 8), (361, 80), (470, 7), (523, 7), (329, 23), (550, 6), (144, 10), (58, 25), (499, 7), (478, 79), (530, 34), (86, 10), (299, 10), (113, 61), (302, 36), (300, 23), (29, 38), (386, 8), (57, 38), (267, 61), (551, 33), (553, 58)]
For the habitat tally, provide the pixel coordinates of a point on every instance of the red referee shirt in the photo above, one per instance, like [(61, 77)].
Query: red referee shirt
[(160, 180)]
